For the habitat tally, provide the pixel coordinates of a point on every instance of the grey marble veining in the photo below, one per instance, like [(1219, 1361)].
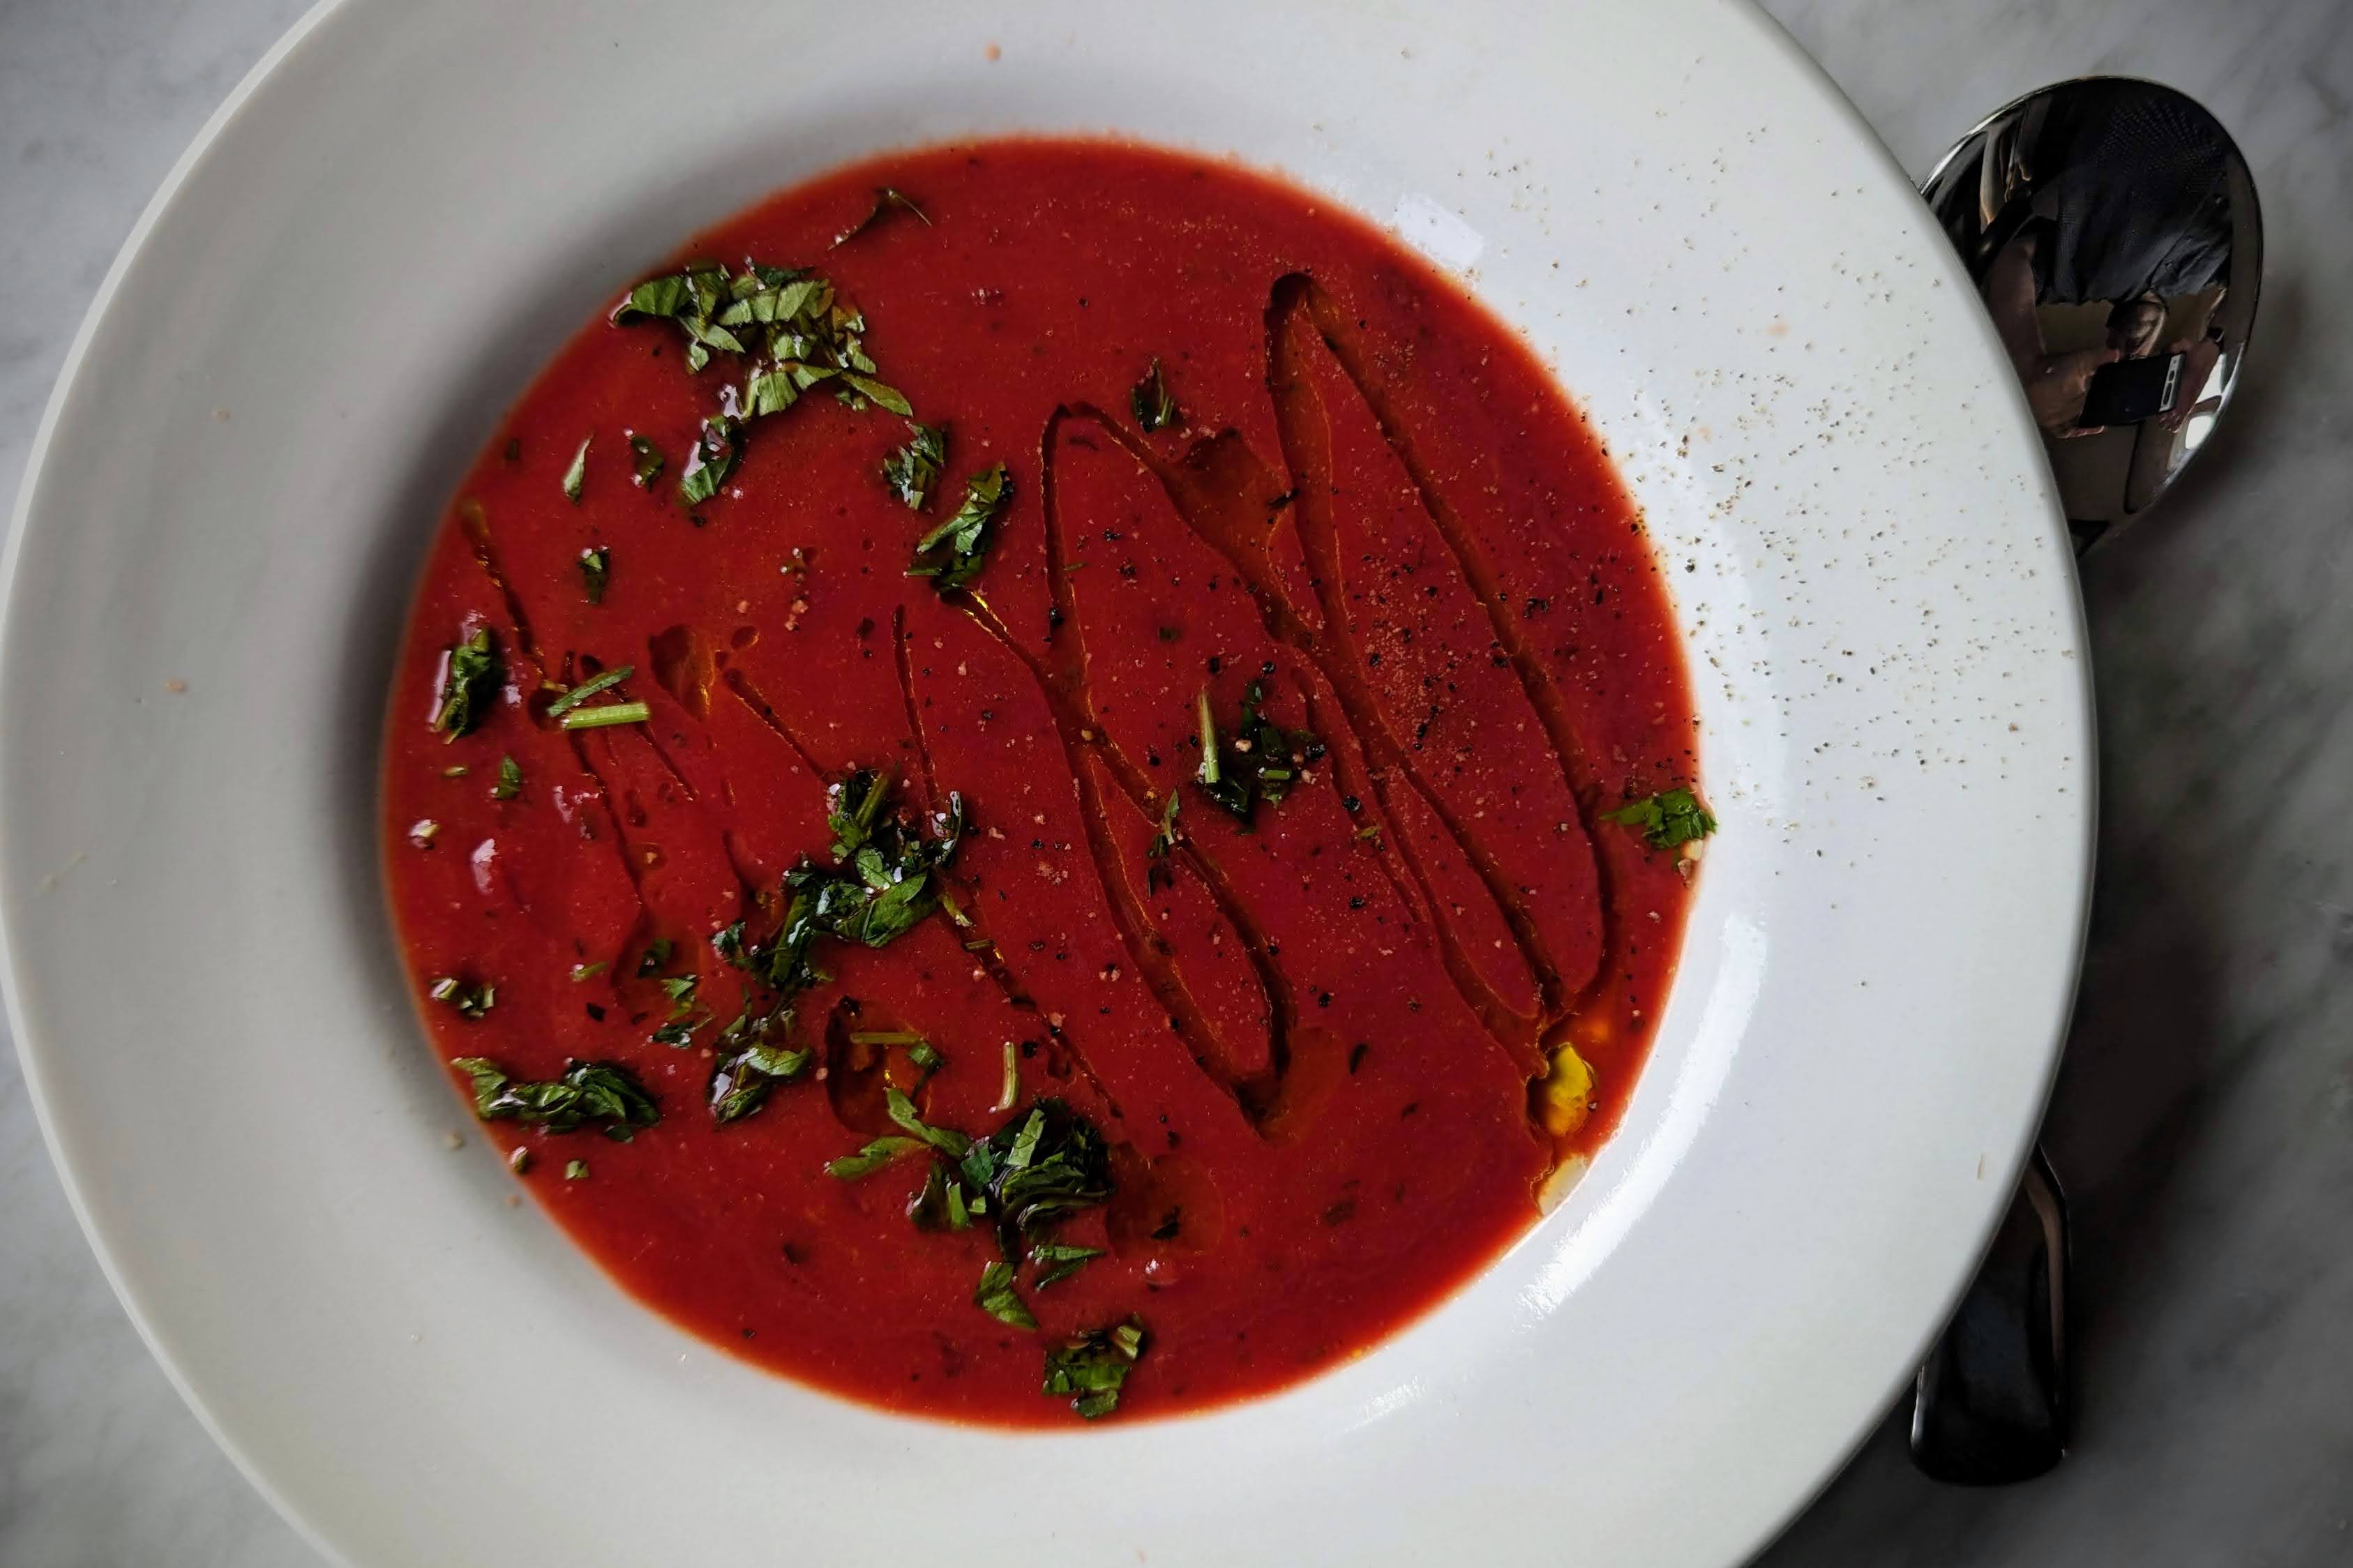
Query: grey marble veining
[(2204, 1120)]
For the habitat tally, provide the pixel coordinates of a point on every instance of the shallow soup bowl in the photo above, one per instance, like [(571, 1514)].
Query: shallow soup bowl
[(367, 256)]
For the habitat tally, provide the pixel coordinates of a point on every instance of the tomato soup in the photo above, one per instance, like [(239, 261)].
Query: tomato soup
[(1046, 780)]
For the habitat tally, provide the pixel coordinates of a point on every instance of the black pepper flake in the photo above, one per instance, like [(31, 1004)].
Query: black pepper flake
[(1216, 664), (1357, 1055), (1357, 900), (1351, 804), (1410, 1107), (596, 1012)]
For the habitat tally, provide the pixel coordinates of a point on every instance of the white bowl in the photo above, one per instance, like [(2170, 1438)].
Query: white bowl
[(363, 258)]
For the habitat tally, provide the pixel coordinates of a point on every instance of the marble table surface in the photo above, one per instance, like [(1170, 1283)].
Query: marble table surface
[(2204, 1119)]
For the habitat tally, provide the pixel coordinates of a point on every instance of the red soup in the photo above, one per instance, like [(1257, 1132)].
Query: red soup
[(1046, 775)]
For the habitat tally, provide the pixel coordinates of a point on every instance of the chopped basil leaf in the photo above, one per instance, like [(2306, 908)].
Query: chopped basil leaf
[(645, 461), (948, 1141), (852, 807), (1056, 1261), (1667, 819), (509, 783), (952, 554), (595, 570), (679, 989), (611, 713), (590, 688), (886, 202), (677, 1034), (1094, 1367), (602, 1093), (752, 1062), (1155, 408), (716, 449), (994, 1296), (883, 884), (913, 471), (1260, 763), (656, 955), (467, 690), (470, 999), (577, 476), (575, 1170), (876, 393), (882, 1151)]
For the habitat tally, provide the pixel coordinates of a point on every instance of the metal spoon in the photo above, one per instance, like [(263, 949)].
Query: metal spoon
[(2112, 231)]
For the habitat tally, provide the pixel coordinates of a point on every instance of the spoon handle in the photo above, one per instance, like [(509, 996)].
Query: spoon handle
[(1989, 1405)]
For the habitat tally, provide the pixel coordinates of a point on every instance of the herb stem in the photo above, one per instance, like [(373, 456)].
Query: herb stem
[(589, 688), (611, 713)]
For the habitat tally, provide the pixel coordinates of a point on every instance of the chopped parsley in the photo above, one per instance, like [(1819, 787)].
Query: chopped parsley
[(595, 570), (577, 476), (952, 554), (602, 1094), (509, 783), (1262, 762), (466, 690), (1667, 820), (1155, 408), (645, 461), (886, 202), (913, 471), (472, 999), (1092, 1367)]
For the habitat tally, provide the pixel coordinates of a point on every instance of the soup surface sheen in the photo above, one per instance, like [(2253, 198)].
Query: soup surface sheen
[(1309, 1044)]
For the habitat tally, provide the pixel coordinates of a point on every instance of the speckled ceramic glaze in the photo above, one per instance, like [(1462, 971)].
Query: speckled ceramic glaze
[(371, 250)]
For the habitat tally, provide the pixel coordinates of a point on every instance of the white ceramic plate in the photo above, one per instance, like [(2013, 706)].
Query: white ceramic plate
[(365, 256)]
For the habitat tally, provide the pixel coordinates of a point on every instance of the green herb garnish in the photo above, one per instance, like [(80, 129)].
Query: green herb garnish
[(886, 202), (1008, 1085), (853, 806), (472, 999), (575, 1170), (1157, 873), (611, 713), (1057, 1260), (595, 570), (752, 1062), (645, 461), (1155, 408), (882, 1151), (952, 554), (577, 476), (994, 1296), (604, 1094), (786, 328), (509, 783), (913, 471), (716, 450), (467, 689), (1092, 1367), (589, 688), (1260, 763), (1667, 819), (655, 957)]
